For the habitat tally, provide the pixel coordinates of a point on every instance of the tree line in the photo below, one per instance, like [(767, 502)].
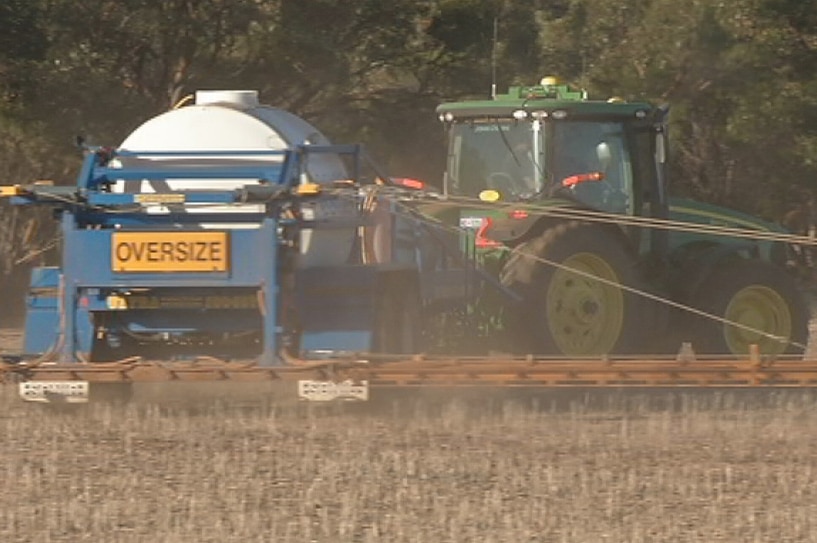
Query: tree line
[(740, 77)]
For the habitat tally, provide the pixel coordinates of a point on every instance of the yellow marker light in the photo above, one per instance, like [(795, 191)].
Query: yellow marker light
[(490, 195), (9, 190), (308, 189), (549, 81), (159, 198), (116, 302)]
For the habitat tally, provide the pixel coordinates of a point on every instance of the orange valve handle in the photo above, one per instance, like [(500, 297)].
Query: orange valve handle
[(574, 180)]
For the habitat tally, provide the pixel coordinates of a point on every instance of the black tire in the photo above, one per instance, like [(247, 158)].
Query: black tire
[(565, 313), (397, 319), (758, 295)]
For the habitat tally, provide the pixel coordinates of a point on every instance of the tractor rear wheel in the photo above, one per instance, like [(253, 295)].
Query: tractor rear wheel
[(764, 303), (569, 280)]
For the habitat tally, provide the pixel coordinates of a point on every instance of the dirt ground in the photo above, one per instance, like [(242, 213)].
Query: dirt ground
[(245, 463)]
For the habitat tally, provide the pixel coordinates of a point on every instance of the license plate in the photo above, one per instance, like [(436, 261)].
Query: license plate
[(54, 391), (169, 252), (327, 391), (471, 223)]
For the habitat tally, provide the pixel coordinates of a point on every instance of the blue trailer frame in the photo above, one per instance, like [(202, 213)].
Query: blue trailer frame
[(64, 302)]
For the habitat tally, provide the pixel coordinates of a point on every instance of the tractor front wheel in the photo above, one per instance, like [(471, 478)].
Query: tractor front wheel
[(755, 303)]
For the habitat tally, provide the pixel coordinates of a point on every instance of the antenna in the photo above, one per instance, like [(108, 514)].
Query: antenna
[(493, 58)]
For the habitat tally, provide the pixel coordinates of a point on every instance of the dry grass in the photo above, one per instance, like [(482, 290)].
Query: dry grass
[(566, 467)]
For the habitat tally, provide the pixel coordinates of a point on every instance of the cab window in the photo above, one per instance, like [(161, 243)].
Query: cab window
[(579, 148)]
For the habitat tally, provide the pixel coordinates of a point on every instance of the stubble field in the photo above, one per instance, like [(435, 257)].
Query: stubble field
[(247, 464)]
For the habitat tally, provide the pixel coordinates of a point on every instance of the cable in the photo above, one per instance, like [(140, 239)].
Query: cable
[(660, 299), (414, 214), (627, 220), (407, 201)]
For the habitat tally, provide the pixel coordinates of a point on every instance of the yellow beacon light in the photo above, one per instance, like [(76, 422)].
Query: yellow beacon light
[(490, 195)]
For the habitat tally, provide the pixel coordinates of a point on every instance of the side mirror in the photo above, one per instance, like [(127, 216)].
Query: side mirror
[(660, 151), (605, 155)]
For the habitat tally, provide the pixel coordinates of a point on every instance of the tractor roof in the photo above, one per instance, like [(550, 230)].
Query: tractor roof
[(547, 97)]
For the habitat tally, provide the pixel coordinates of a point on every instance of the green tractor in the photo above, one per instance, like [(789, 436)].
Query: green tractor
[(569, 196)]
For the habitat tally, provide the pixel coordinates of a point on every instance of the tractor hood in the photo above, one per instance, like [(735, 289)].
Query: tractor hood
[(694, 212), (688, 210)]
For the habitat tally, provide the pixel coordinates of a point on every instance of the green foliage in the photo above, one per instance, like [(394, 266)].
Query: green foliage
[(737, 74), (22, 42)]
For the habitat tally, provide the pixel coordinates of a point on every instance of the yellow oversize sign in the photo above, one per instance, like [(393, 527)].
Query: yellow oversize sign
[(170, 252)]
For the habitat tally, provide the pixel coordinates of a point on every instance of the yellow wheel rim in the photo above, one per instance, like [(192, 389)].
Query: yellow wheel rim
[(585, 316), (762, 313)]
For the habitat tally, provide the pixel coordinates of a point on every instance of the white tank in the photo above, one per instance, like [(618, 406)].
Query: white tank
[(234, 120)]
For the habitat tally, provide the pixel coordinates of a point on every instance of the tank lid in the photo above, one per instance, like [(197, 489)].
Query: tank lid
[(240, 98)]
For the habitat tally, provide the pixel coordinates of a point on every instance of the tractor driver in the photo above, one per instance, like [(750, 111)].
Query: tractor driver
[(518, 173)]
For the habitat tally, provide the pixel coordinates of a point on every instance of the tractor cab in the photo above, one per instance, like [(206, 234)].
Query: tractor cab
[(549, 142), (566, 198)]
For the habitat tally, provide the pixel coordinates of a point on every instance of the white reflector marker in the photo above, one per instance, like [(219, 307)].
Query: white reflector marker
[(54, 391), (327, 391)]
